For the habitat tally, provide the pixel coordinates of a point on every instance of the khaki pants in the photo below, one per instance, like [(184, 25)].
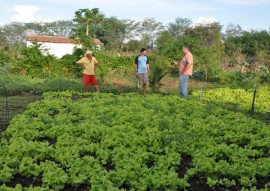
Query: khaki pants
[(141, 78)]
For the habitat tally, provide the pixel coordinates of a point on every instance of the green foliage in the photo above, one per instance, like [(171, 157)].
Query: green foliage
[(173, 50), (211, 49), (233, 30), (13, 34), (33, 63), (238, 79), (264, 74), (178, 28), (4, 61), (16, 84), (251, 46), (164, 40), (129, 141), (112, 32), (209, 34), (62, 84), (238, 98), (132, 46), (254, 41), (205, 45), (109, 63), (158, 71), (210, 56), (209, 61), (4, 58), (68, 63), (145, 32), (87, 21)]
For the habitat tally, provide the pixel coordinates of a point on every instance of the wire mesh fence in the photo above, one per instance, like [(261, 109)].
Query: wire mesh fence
[(11, 105)]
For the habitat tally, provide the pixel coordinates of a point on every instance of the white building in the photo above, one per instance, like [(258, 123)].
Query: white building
[(57, 46)]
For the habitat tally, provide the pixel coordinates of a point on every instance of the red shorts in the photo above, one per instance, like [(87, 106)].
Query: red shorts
[(89, 80)]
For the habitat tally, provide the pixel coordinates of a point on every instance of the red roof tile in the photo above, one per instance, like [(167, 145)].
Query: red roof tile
[(54, 39), (97, 41)]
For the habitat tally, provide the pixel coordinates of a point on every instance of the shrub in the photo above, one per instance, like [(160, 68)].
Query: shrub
[(157, 73)]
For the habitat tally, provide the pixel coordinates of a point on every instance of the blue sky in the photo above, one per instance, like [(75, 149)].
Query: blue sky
[(249, 14)]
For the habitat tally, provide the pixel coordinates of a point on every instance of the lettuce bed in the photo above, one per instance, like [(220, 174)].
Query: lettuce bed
[(79, 141)]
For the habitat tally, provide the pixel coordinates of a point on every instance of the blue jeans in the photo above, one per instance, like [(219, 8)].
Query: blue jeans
[(183, 79)]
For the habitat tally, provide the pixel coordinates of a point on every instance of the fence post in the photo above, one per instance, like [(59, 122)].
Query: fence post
[(253, 100)]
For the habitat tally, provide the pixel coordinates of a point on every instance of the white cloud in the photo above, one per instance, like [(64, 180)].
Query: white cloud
[(25, 13), (206, 20), (246, 2)]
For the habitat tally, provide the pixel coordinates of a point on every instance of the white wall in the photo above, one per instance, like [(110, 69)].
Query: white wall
[(57, 49)]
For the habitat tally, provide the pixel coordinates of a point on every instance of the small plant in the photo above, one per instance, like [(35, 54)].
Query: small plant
[(158, 72)]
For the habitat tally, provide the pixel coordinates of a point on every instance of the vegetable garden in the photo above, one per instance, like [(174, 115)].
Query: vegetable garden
[(73, 141), (100, 141)]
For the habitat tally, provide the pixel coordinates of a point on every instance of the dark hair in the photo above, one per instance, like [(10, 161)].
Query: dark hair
[(143, 49), (186, 47)]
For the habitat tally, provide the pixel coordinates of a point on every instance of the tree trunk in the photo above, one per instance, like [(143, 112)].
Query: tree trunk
[(87, 29)]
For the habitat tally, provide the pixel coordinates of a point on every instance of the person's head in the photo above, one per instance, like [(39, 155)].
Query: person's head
[(143, 51), (88, 54), (185, 49)]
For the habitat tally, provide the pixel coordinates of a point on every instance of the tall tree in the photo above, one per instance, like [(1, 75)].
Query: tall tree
[(253, 41), (13, 32), (132, 25), (132, 46), (3, 40), (233, 30), (58, 28), (211, 55), (209, 34), (112, 32), (86, 16), (164, 41), (146, 31), (177, 28)]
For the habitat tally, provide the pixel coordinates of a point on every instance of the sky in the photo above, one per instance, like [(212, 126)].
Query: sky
[(249, 14)]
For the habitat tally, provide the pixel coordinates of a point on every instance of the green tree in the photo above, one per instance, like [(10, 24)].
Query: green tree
[(4, 57), (132, 46), (209, 34), (164, 41), (254, 41), (57, 28), (112, 32), (13, 33), (86, 18), (145, 31), (178, 28), (148, 32), (131, 28), (233, 30), (3, 41), (210, 55), (254, 46)]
